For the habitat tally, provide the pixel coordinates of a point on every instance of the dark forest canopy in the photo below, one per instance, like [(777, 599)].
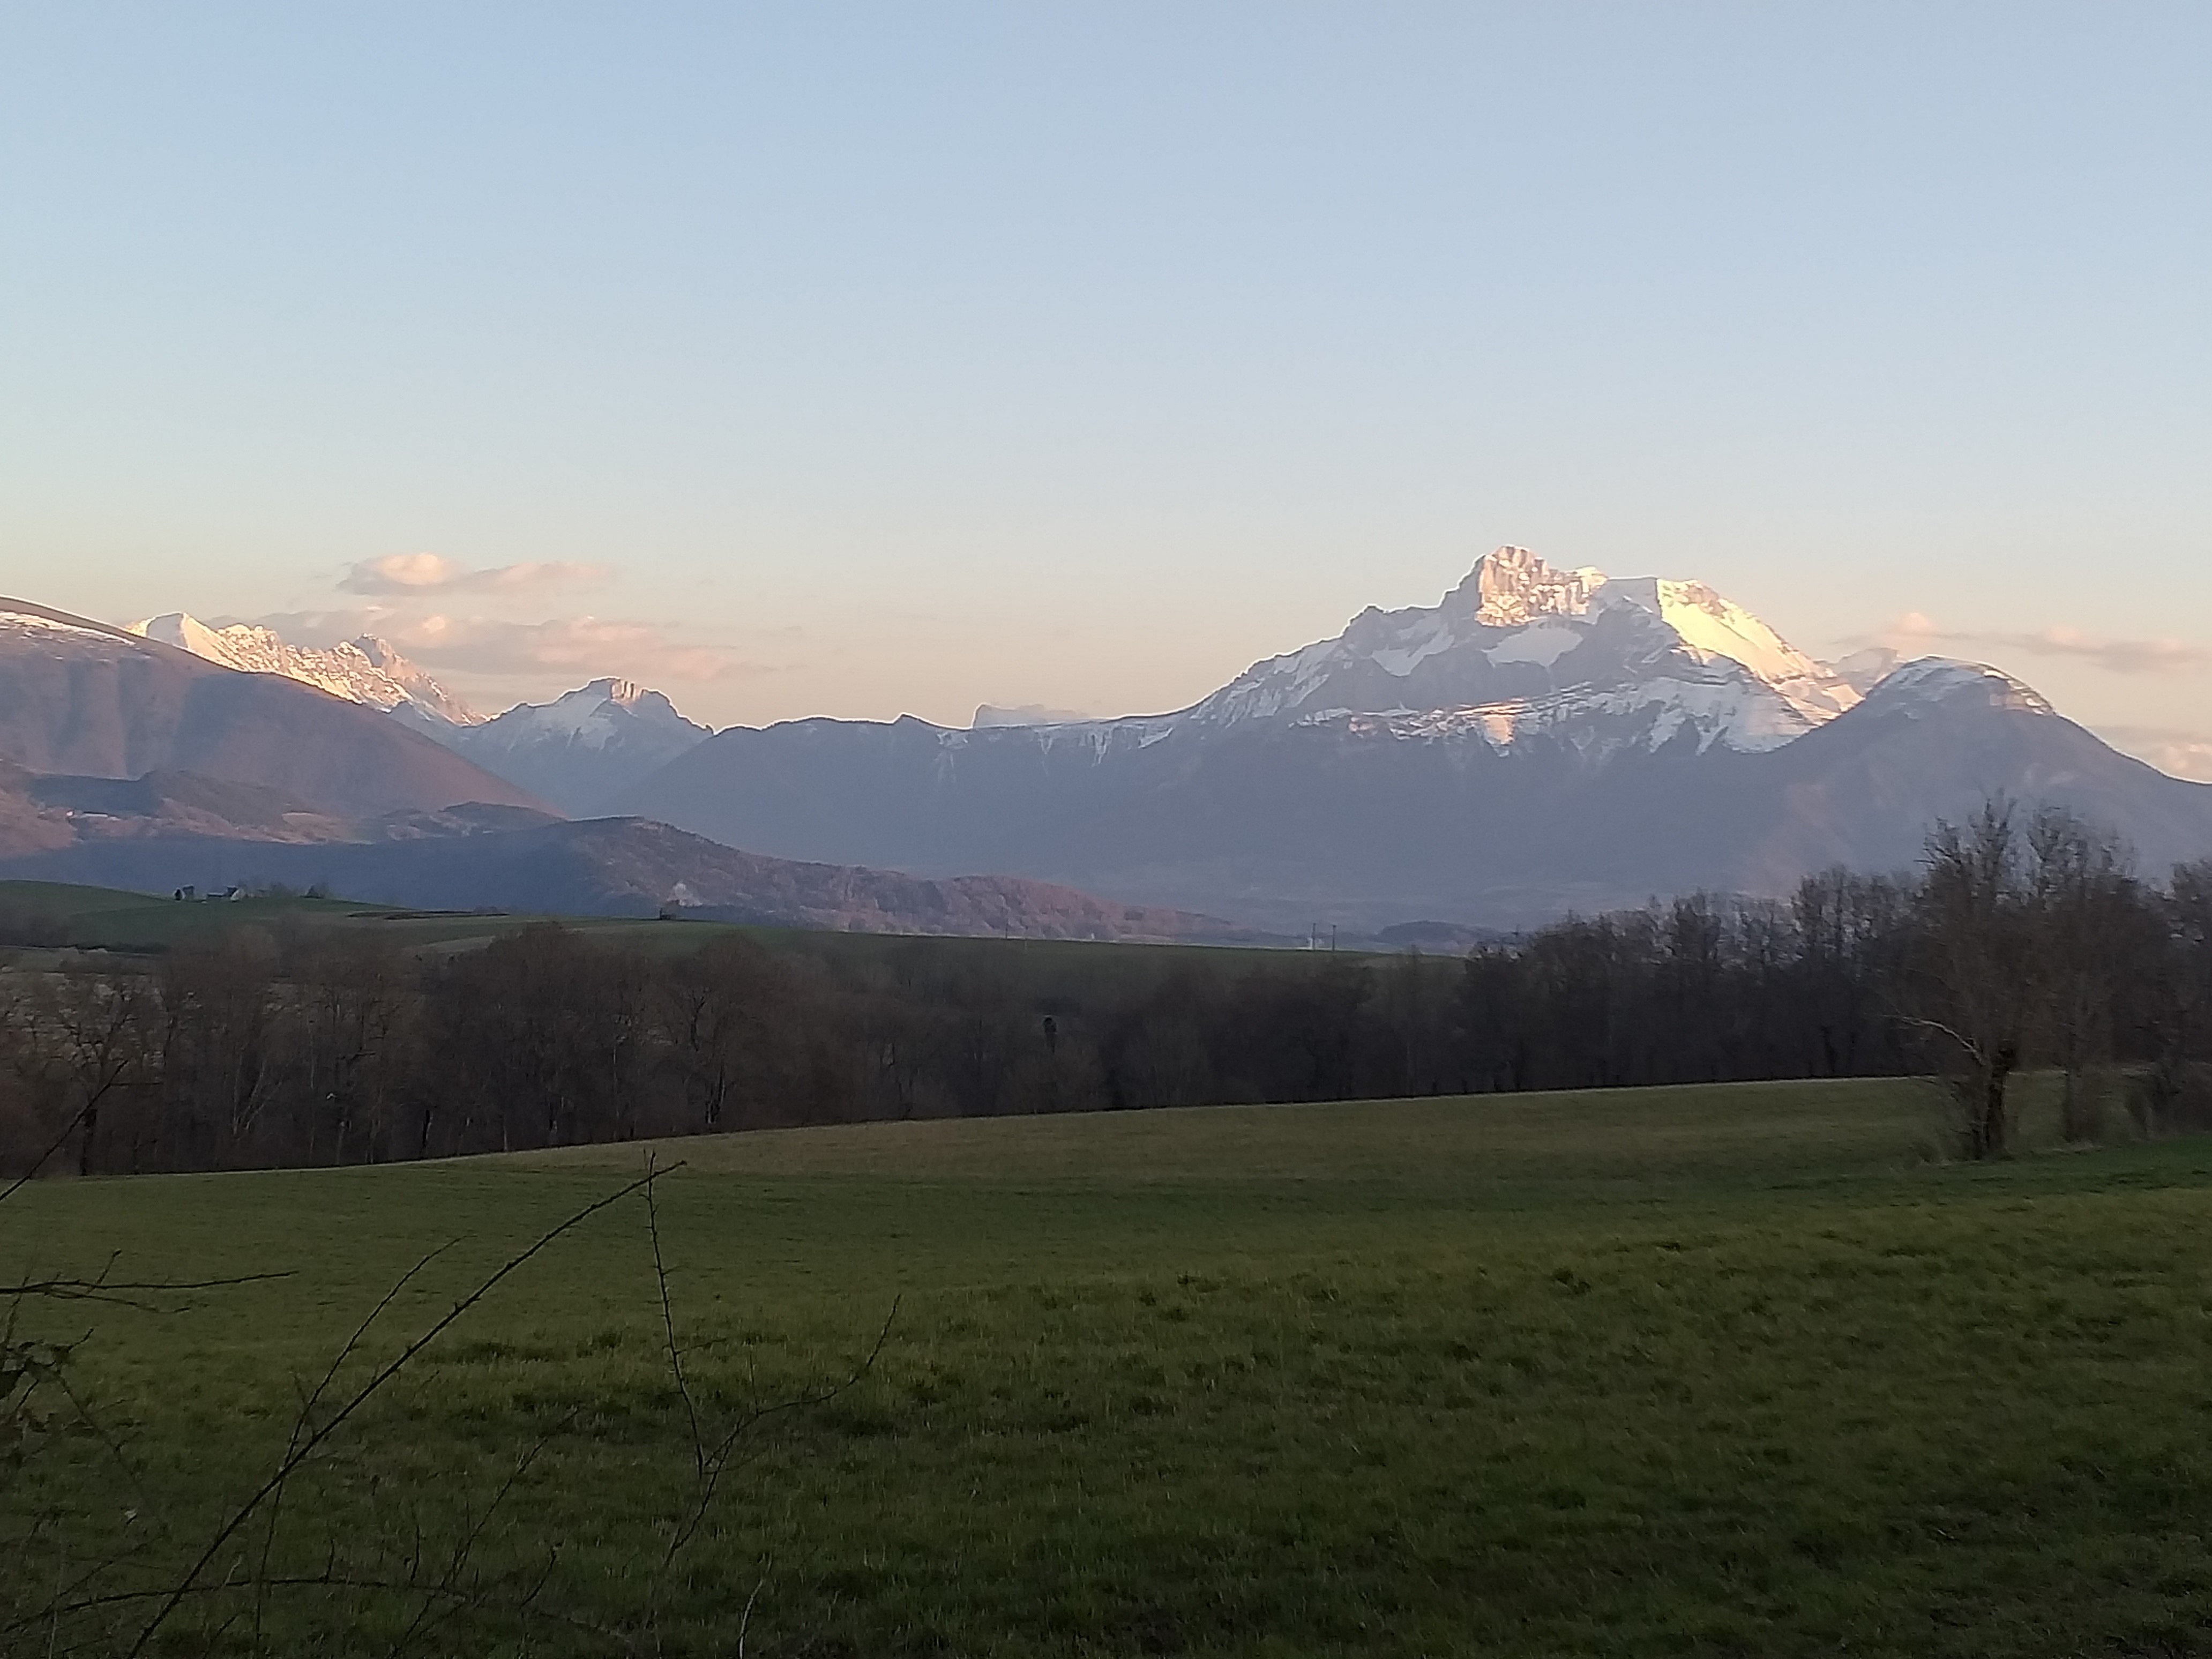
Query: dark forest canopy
[(2022, 940)]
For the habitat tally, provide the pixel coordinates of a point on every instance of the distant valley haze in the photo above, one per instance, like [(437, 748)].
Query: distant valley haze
[(1540, 741), (579, 388)]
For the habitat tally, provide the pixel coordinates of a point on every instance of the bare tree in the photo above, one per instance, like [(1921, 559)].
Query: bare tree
[(81, 1035), (356, 1006), (222, 1039), (1974, 976), (2089, 925)]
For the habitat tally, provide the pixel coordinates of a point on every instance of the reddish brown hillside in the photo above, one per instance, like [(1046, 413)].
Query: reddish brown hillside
[(80, 697)]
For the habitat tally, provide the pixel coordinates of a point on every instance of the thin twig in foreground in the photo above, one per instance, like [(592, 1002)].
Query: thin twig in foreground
[(305, 1448)]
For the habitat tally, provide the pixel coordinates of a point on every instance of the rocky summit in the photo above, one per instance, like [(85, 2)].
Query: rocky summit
[(1538, 740)]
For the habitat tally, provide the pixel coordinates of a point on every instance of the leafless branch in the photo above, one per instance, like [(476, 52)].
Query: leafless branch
[(668, 1326), (303, 1447), (711, 1463), (135, 1294)]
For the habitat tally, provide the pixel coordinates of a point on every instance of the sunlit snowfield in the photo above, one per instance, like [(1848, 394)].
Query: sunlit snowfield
[(1744, 1370)]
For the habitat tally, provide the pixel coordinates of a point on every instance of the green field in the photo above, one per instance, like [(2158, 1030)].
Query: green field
[(1739, 1369), (113, 919), (110, 918)]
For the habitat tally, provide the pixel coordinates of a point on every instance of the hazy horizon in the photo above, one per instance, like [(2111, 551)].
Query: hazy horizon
[(857, 362)]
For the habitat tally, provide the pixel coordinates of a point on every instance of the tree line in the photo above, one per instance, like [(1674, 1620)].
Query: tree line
[(2023, 939)]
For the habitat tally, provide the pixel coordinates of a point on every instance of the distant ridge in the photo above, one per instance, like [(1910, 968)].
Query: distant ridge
[(367, 670), (128, 762), (1538, 740), (582, 750), (577, 752), (1028, 714), (79, 697)]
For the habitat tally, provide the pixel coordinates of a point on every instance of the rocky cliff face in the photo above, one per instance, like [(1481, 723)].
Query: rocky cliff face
[(1519, 647), (367, 671)]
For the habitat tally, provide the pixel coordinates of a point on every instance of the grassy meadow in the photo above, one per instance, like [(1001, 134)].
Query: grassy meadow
[(116, 920), (1740, 1370)]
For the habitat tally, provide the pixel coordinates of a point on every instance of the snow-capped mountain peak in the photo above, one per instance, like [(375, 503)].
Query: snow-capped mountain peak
[(598, 713), (1512, 586), (585, 745), (1928, 680), (574, 751), (367, 670), (1711, 626), (1520, 648)]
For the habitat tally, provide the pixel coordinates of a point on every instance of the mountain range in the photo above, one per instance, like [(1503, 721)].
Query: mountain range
[(580, 751), (1541, 739), (79, 697), (367, 670), (1538, 740), (129, 761), (576, 752)]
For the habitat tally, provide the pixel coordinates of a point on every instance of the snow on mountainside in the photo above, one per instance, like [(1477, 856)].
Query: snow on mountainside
[(579, 750), (1540, 740), (1520, 651), (1518, 655), (606, 711), (1930, 680), (364, 671), (575, 752), (27, 625), (80, 699)]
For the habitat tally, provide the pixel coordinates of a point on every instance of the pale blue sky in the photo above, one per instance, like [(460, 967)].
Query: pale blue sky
[(904, 356)]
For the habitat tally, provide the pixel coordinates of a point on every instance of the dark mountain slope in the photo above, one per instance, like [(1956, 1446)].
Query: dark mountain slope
[(79, 697), (1935, 739), (1368, 820), (580, 750)]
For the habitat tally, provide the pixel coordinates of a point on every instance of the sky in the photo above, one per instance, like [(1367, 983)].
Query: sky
[(858, 360)]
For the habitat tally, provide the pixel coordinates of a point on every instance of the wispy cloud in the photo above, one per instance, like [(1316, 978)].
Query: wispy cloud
[(584, 645), (1915, 630), (425, 574), (2185, 754), (2160, 656)]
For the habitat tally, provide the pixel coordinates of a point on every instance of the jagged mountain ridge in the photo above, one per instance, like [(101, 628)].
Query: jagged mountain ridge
[(128, 762), (1541, 739), (576, 751), (582, 749), (368, 670), (1520, 641), (80, 698)]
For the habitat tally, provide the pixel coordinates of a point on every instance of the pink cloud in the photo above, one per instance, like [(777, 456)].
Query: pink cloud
[(400, 573), (1915, 630), (2183, 754)]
